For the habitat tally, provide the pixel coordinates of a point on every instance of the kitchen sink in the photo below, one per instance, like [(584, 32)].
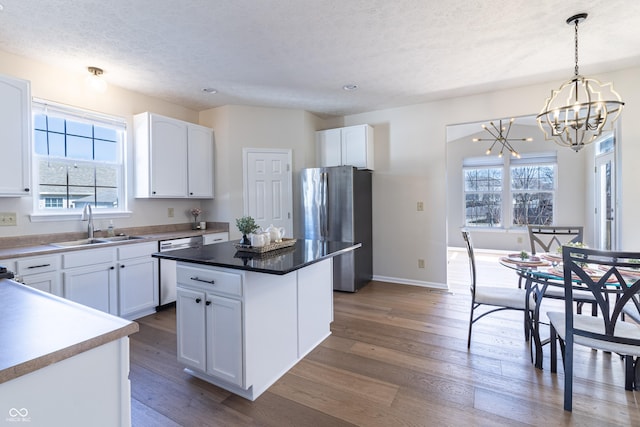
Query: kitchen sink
[(118, 238), (94, 241), (79, 242)]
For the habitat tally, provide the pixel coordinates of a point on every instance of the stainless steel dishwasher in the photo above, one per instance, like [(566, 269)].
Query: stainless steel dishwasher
[(168, 278)]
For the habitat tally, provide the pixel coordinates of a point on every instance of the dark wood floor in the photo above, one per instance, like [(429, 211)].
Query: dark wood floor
[(397, 356)]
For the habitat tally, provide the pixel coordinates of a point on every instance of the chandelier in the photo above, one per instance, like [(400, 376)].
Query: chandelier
[(500, 134), (578, 112)]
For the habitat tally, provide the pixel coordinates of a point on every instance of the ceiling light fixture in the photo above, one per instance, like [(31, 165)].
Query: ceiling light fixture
[(95, 81), (500, 135), (209, 90), (350, 87), (577, 113)]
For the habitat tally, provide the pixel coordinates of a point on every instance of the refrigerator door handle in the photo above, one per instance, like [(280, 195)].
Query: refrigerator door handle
[(324, 210)]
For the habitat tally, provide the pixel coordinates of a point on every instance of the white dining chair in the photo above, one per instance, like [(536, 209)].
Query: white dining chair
[(496, 298)]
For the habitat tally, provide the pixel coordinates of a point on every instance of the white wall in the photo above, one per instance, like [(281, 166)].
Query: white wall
[(58, 85), (239, 127)]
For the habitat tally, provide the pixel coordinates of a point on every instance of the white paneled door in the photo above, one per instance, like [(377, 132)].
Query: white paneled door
[(267, 187)]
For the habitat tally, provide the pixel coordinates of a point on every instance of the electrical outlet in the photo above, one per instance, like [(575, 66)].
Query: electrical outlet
[(420, 206), (420, 263), (519, 239), (8, 218), (170, 212)]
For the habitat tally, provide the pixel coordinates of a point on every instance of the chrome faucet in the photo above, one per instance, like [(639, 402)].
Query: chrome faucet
[(87, 214)]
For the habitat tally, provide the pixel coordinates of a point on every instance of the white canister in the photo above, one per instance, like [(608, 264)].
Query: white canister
[(203, 225), (257, 240)]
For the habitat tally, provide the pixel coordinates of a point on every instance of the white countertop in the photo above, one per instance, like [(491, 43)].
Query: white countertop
[(39, 329)]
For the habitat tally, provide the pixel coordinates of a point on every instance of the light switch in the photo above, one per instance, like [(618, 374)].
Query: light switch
[(420, 206)]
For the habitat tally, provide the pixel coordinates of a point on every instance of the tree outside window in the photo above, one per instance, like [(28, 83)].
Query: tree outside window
[(532, 190), (483, 197)]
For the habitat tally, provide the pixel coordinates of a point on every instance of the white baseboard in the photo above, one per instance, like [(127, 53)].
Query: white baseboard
[(402, 281)]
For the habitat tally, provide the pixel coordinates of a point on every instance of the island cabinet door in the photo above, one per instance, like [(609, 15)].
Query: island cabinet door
[(190, 312), (224, 339)]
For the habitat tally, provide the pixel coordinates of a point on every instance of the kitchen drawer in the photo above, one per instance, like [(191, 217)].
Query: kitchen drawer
[(209, 239), (33, 265), (210, 280), (137, 250), (86, 257)]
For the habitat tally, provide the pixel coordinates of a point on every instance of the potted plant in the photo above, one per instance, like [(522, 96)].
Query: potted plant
[(246, 225)]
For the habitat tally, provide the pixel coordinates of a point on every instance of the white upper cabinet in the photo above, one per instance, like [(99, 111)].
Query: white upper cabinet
[(348, 146), (174, 159), (15, 137), (200, 161)]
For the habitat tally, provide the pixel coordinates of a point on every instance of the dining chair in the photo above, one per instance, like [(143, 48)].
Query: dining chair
[(498, 298), (548, 238), (613, 280)]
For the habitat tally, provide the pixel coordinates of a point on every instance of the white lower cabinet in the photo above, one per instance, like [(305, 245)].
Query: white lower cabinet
[(89, 278), (137, 280), (40, 272), (210, 331), (242, 330), (119, 280), (224, 343)]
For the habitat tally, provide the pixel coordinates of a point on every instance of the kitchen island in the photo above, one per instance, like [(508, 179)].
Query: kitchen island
[(244, 319), (61, 363)]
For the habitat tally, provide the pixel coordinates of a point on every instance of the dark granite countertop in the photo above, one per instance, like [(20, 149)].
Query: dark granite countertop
[(280, 261)]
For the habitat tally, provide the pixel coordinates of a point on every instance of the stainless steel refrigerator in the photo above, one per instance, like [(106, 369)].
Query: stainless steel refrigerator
[(337, 207)]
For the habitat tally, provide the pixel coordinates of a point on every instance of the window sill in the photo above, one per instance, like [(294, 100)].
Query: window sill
[(521, 230), (76, 216)]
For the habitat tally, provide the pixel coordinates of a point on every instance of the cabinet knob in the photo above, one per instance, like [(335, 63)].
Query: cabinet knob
[(26, 190), (122, 266), (112, 268), (153, 192), (208, 303), (198, 300), (191, 194)]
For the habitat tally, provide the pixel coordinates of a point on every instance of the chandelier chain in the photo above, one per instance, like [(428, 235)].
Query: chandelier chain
[(576, 47)]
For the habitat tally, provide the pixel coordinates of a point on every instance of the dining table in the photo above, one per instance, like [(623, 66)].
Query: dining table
[(539, 272)]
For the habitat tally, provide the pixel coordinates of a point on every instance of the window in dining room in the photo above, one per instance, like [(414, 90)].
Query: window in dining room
[(483, 193), (509, 192), (533, 187)]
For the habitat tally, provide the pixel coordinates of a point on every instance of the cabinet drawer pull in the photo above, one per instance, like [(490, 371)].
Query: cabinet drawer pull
[(211, 282), (39, 266), (198, 300)]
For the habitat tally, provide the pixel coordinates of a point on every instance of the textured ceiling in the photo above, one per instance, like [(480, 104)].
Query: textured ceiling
[(299, 53)]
